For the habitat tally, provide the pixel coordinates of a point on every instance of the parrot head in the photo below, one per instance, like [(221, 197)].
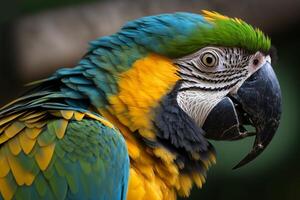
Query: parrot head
[(230, 83)]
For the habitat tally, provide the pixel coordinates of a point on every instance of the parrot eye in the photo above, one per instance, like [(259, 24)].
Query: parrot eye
[(209, 59)]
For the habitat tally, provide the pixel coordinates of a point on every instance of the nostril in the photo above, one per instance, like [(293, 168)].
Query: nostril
[(255, 62)]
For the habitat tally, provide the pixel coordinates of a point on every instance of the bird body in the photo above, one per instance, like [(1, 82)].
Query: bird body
[(73, 134)]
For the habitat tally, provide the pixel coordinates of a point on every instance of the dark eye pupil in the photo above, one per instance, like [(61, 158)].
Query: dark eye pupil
[(209, 60), (255, 61)]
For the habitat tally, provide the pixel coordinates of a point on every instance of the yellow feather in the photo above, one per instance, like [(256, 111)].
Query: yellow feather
[(211, 16), (6, 188), (202, 178), (32, 116), (21, 175), (43, 156), (117, 102), (67, 114), (26, 143), (32, 133), (165, 175), (198, 180), (169, 173), (147, 171), (3, 138), (61, 128), (186, 184), (35, 119), (4, 167), (102, 120), (212, 158), (29, 178), (145, 158), (170, 194), (149, 134), (3, 127), (13, 129), (14, 146), (136, 189), (39, 124), (78, 116), (26, 114), (165, 155), (55, 113), (153, 190), (10, 118), (133, 150)]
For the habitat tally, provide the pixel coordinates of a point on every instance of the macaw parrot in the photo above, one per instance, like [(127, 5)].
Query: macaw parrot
[(133, 118)]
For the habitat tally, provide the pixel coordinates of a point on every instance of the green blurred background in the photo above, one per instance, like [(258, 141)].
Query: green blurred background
[(38, 36)]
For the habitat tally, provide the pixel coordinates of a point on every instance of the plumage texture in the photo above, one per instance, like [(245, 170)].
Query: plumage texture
[(61, 140), (64, 158)]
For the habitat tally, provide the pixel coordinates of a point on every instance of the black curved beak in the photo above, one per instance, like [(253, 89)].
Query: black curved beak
[(260, 98), (258, 103)]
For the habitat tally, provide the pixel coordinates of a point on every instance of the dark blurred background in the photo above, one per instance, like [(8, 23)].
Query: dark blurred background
[(38, 36)]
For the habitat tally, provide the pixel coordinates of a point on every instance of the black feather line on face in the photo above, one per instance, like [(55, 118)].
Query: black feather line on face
[(178, 133)]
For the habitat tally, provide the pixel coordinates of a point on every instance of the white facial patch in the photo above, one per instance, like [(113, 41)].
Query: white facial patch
[(198, 104)]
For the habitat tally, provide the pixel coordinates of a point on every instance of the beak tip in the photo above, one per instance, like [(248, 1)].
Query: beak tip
[(240, 164), (257, 149), (235, 167)]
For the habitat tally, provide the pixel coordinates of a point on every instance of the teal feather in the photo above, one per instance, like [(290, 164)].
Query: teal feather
[(50, 171), (40, 185), (48, 136), (27, 192), (58, 185)]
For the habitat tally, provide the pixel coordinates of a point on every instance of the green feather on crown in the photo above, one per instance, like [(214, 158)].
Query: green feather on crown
[(224, 31), (235, 32)]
